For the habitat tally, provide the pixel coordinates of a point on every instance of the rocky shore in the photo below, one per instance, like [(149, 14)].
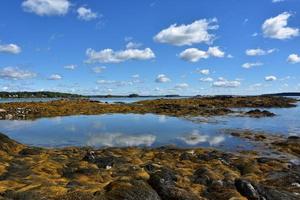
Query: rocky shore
[(165, 173), (202, 106)]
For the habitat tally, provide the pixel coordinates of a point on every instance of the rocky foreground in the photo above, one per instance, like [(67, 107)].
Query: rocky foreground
[(202, 106), (147, 174)]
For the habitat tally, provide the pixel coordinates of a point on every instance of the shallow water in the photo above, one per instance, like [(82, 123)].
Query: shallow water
[(148, 130)]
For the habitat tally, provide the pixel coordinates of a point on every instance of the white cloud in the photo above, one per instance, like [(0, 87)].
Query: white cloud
[(135, 76), (226, 83), (293, 58), (194, 33), (15, 73), (55, 77), (111, 56), (208, 79), (98, 70), (182, 86), (276, 27), (106, 82), (10, 48), (258, 52), (203, 71), (86, 14), (133, 45), (70, 67), (47, 7), (162, 78), (250, 65), (215, 52), (194, 54), (270, 78)]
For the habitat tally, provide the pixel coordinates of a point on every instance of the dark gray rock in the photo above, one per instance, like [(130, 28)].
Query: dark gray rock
[(163, 182), (246, 189)]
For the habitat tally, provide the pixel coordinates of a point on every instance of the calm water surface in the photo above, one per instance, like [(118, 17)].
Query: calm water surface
[(148, 130)]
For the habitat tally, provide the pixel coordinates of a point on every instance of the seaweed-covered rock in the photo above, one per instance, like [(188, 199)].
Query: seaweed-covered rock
[(258, 113), (163, 182), (105, 162), (129, 190)]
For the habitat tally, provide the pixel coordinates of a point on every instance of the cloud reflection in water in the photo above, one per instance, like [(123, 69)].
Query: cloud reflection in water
[(120, 140)]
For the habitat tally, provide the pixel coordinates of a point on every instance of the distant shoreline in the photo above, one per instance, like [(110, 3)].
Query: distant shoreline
[(48, 94)]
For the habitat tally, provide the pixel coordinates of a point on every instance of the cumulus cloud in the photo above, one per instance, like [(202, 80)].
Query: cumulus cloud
[(194, 54), (250, 65), (270, 78), (133, 45), (86, 14), (98, 70), (203, 71), (70, 67), (111, 56), (55, 77), (182, 86), (293, 58), (14, 73), (47, 7), (10, 48), (276, 27), (188, 34), (259, 52), (208, 79), (162, 78), (221, 82), (121, 140)]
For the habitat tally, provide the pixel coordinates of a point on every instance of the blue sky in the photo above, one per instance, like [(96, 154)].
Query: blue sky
[(150, 46)]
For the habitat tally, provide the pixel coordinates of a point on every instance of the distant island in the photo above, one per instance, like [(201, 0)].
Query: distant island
[(48, 94), (286, 94)]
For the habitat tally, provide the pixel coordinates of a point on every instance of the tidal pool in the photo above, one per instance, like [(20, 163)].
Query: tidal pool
[(120, 130)]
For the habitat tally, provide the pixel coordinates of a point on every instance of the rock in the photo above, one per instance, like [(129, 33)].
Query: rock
[(31, 151), (149, 168), (246, 189), (8, 145), (269, 193), (260, 192), (163, 182), (258, 113), (105, 162), (129, 190), (203, 176)]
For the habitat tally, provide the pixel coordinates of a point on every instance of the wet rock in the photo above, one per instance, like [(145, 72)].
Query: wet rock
[(163, 182), (31, 151), (203, 176), (149, 168), (129, 190), (269, 193), (8, 145), (258, 113), (105, 162), (246, 189)]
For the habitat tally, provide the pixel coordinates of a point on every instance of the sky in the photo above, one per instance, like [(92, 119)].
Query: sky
[(150, 47)]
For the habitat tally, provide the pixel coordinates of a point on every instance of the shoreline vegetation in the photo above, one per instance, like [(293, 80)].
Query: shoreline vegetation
[(136, 173), (182, 107)]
